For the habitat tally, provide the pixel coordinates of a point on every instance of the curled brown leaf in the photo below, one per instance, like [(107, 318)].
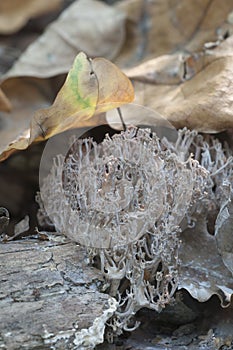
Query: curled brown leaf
[(195, 91), (15, 13), (86, 25)]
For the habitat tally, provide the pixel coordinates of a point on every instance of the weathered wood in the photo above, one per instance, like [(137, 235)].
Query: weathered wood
[(48, 295)]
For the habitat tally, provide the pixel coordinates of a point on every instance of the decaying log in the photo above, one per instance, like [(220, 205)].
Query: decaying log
[(49, 297)]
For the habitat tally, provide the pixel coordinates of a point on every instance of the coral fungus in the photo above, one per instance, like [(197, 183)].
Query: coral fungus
[(128, 199)]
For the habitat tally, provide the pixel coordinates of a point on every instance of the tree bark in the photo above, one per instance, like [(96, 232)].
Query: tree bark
[(49, 297)]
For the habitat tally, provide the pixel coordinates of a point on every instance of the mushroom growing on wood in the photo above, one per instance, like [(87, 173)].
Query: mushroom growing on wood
[(128, 199)]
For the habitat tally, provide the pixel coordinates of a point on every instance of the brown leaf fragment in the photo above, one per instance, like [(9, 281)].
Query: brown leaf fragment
[(161, 27), (86, 25), (203, 102), (202, 272), (5, 104), (166, 69), (15, 13), (26, 96), (114, 87)]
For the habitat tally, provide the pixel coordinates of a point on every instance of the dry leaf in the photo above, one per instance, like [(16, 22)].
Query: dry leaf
[(86, 25), (156, 28), (4, 102), (202, 272), (15, 13), (203, 102), (26, 95), (114, 87), (167, 69), (91, 87)]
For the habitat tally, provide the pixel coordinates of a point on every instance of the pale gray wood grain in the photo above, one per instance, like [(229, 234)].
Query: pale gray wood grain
[(47, 292)]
